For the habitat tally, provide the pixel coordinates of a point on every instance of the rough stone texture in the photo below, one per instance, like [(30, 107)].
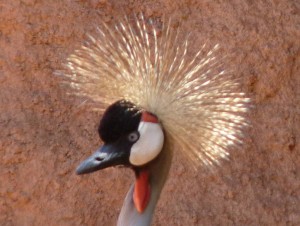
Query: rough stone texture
[(44, 135)]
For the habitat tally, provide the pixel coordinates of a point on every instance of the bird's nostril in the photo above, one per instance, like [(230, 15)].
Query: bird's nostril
[(99, 159)]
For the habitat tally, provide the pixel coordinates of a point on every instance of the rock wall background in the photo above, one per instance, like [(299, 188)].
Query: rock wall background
[(44, 135)]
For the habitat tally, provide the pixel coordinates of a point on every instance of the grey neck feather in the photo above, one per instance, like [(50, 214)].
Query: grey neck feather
[(159, 170)]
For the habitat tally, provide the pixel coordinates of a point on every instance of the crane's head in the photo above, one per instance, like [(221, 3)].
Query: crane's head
[(201, 106), (132, 137)]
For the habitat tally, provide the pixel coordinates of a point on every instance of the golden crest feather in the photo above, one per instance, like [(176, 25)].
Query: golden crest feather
[(199, 104)]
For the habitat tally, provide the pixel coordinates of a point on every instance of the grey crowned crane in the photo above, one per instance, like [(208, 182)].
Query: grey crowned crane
[(156, 96)]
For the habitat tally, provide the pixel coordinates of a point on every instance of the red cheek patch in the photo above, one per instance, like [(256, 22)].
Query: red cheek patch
[(148, 117)]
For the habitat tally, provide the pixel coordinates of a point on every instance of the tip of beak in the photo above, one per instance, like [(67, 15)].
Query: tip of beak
[(79, 170), (86, 166)]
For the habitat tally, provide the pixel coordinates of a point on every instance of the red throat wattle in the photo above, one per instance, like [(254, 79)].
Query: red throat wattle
[(142, 191)]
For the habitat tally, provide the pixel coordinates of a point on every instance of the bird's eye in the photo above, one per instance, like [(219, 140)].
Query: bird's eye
[(134, 136)]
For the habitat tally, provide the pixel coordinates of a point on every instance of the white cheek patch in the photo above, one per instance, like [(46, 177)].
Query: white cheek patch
[(149, 145)]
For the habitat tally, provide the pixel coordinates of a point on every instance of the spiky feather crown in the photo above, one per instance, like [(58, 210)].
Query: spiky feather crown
[(198, 103)]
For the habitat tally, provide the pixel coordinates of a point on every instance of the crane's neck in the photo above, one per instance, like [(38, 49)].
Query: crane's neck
[(158, 171)]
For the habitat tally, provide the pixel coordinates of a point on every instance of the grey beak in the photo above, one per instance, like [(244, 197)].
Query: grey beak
[(105, 156)]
